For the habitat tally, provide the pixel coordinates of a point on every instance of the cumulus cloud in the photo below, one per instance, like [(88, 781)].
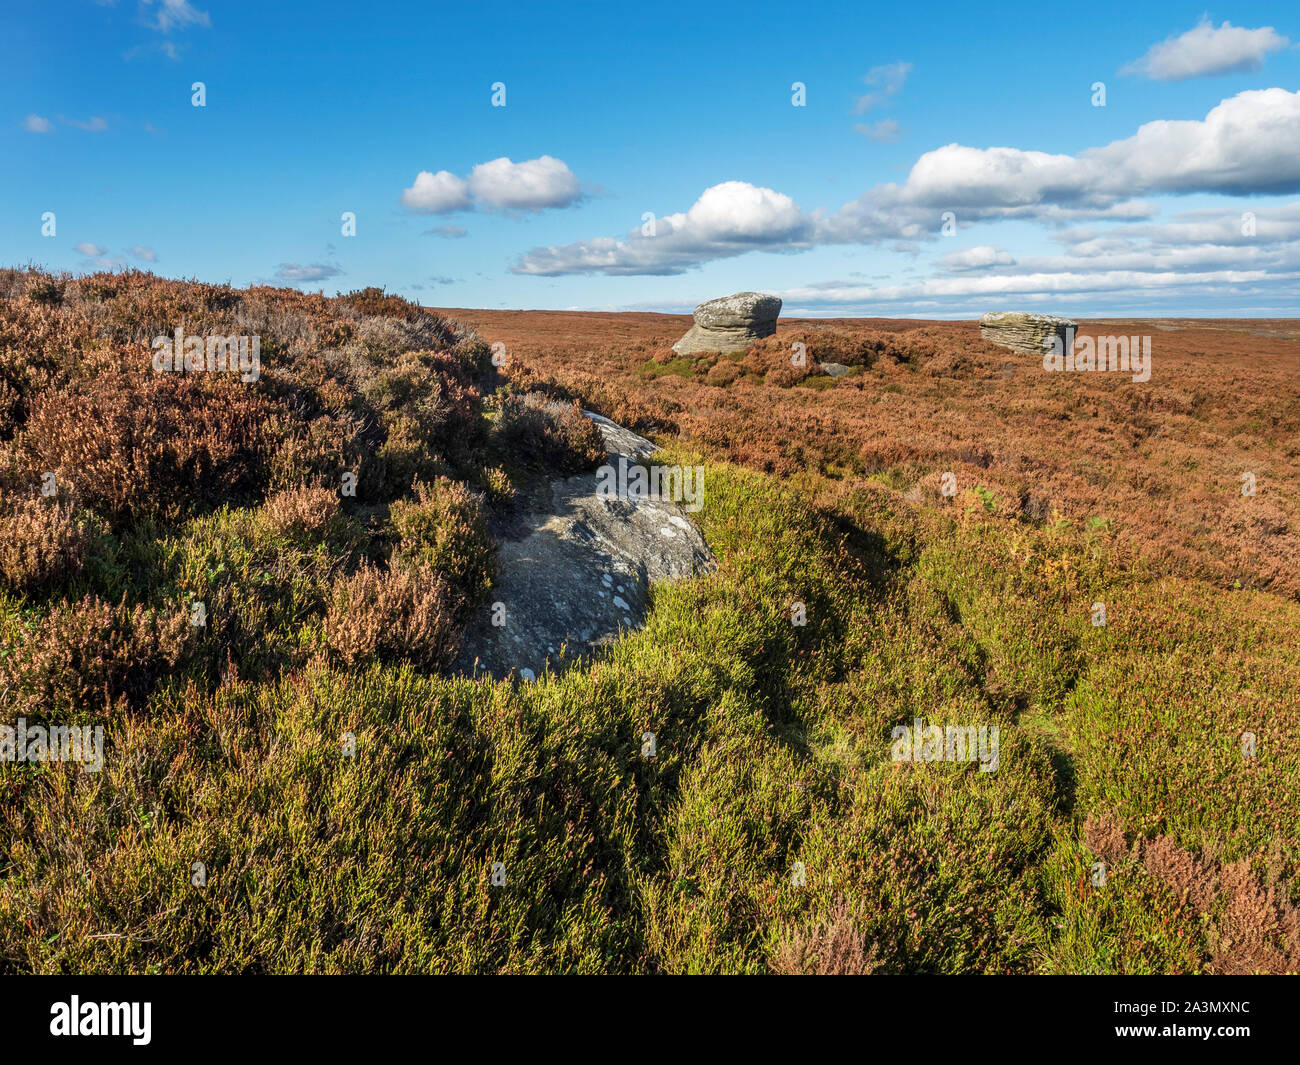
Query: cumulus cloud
[(499, 184), (979, 257), (295, 273), (532, 185), (90, 250), (144, 254), (886, 81), (37, 124), (1245, 145), (439, 193), (1205, 50), (728, 219)]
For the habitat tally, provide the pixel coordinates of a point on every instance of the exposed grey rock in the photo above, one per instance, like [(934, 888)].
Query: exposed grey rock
[(835, 369), (730, 323), (620, 441), (1021, 331), (580, 568)]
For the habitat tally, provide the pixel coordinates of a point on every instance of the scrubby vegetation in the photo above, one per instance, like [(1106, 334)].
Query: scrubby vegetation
[(351, 803)]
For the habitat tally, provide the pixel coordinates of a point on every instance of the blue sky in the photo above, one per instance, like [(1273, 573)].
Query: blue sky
[(978, 116)]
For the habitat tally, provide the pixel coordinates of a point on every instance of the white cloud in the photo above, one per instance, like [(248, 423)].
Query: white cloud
[(446, 232), (1022, 286), (1197, 257), (144, 254), (1205, 50), (173, 14), (1244, 146), (295, 273), (94, 124), (499, 184), (532, 185), (728, 219), (37, 124), (887, 81), (885, 130), (438, 193), (96, 257), (979, 257)]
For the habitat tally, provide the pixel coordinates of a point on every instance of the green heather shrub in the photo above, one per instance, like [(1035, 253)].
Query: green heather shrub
[(400, 461), (533, 432), (264, 575), (495, 485), (443, 529)]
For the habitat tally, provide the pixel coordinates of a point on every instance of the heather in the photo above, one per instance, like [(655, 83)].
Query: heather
[(349, 799)]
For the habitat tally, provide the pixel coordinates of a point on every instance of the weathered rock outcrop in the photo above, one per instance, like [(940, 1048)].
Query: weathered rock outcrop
[(1021, 331), (730, 323), (579, 568)]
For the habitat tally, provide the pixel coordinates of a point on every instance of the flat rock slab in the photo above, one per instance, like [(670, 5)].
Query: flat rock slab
[(730, 323), (1021, 331), (581, 570)]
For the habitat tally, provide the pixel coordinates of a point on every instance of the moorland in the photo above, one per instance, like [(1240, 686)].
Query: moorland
[(346, 799)]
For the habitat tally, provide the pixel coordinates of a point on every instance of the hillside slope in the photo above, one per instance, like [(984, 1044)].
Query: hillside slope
[(297, 785)]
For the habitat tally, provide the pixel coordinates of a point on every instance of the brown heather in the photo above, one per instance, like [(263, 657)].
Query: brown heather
[(306, 511), (43, 542), (134, 445), (402, 615), (391, 395), (833, 947), (1105, 838), (85, 656), (1162, 459), (1254, 927)]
